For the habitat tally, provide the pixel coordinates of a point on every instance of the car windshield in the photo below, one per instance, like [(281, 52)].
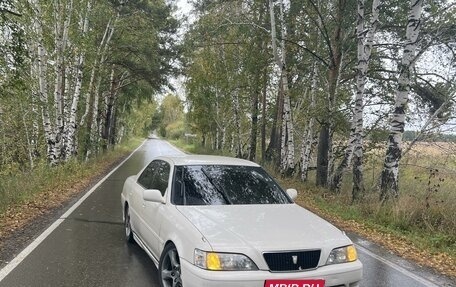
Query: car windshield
[(222, 184)]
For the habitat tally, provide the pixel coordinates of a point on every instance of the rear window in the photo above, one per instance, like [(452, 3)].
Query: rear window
[(221, 184)]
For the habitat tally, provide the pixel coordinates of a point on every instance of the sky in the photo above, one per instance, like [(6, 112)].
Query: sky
[(183, 6)]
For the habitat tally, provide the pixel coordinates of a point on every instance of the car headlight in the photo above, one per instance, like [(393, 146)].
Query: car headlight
[(223, 261), (342, 255)]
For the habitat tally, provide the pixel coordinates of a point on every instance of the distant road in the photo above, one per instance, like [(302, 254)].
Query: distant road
[(86, 246)]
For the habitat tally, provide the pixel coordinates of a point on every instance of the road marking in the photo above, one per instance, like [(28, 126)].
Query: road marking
[(24, 253), (397, 267)]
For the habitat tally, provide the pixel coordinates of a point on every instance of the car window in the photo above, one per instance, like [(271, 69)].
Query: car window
[(219, 184), (161, 176), (155, 176), (145, 179)]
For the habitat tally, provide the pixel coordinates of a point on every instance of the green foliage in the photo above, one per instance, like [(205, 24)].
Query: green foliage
[(175, 130), (226, 68), (168, 119), (19, 188), (139, 120)]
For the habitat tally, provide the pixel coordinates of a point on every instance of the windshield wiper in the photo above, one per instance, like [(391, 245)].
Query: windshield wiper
[(225, 197)]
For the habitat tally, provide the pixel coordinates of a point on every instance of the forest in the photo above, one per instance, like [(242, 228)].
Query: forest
[(357, 97), (321, 84)]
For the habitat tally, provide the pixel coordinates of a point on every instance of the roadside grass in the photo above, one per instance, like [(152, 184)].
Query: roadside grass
[(18, 190), (420, 224)]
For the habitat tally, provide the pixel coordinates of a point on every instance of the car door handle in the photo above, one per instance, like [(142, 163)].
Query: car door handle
[(143, 205)]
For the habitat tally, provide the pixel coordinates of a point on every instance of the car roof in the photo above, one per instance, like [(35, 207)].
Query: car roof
[(206, 160)]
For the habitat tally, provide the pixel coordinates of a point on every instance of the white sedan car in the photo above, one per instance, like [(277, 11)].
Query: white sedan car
[(219, 221)]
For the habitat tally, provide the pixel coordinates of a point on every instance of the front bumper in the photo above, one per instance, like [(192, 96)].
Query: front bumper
[(346, 274)]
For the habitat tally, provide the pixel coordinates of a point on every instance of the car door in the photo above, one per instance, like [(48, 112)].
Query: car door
[(143, 182), (152, 211)]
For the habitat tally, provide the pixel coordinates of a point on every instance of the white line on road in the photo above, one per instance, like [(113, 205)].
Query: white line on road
[(397, 267), (21, 256)]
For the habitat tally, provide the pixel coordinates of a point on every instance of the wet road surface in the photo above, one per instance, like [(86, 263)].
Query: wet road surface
[(88, 247)]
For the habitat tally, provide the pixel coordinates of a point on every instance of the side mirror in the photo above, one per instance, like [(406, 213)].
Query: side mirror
[(292, 193), (153, 195)]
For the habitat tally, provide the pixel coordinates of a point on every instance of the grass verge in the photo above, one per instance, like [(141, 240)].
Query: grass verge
[(27, 195)]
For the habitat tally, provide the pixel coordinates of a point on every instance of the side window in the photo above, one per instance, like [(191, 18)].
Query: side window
[(145, 179), (161, 176)]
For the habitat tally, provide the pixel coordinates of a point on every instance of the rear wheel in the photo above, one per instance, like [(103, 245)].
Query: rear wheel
[(169, 269), (127, 224)]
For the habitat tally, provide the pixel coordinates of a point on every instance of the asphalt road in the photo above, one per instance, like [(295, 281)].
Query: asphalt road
[(86, 246)]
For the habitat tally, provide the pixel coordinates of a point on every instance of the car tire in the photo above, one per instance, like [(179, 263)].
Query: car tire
[(127, 224), (169, 269)]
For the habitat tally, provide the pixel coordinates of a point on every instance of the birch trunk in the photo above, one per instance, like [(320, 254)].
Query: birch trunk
[(237, 122), (71, 148), (364, 55), (2, 137), (325, 156), (27, 136), (254, 125), (95, 122), (34, 99), (43, 84), (390, 174), (309, 132), (355, 144), (109, 109), (62, 18), (92, 97), (263, 116), (287, 163), (217, 116), (100, 52)]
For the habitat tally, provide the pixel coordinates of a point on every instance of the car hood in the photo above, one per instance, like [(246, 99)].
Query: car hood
[(263, 227)]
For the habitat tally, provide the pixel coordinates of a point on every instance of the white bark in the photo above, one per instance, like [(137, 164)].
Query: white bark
[(42, 83), (287, 141), (71, 148), (1, 119), (364, 54), (27, 136), (100, 58), (237, 123), (94, 127), (390, 174), (34, 101), (62, 18), (217, 115), (309, 132), (355, 142)]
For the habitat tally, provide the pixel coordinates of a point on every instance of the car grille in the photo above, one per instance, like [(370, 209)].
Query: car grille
[(292, 260)]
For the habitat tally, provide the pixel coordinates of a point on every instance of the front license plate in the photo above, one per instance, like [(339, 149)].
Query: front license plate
[(295, 283)]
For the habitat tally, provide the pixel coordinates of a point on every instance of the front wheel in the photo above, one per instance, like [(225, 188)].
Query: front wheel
[(127, 224), (169, 269)]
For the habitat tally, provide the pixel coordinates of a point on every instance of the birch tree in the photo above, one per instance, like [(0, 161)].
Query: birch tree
[(389, 187), (334, 38), (309, 136), (41, 77), (365, 39), (71, 140), (287, 156)]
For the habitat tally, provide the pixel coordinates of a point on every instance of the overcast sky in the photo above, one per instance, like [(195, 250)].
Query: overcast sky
[(183, 5)]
